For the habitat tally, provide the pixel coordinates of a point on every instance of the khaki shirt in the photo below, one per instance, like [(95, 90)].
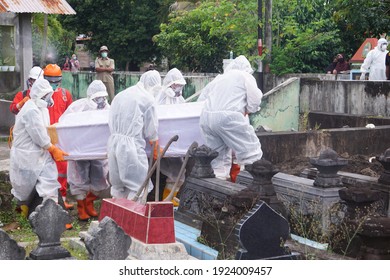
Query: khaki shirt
[(104, 63)]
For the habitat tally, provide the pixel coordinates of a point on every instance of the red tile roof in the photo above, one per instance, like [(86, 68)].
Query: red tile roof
[(361, 53), (36, 6)]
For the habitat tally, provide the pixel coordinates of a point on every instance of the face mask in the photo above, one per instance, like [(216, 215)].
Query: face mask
[(49, 101), (177, 89), (30, 83), (73, 57), (54, 86), (100, 101), (383, 47), (104, 54)]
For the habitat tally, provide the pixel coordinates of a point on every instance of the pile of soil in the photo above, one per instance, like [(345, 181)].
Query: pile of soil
[(359, 164)]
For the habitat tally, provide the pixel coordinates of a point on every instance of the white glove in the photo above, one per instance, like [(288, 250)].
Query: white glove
[(363, 76)]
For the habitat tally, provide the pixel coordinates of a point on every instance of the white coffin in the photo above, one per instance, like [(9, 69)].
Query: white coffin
[(84, 135)]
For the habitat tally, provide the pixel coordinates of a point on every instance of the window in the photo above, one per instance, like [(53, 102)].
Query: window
[(7, 47)]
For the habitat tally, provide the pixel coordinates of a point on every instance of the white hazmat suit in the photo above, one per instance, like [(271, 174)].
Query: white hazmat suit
[(88, 175), (172, 90), (223, 124), (132, 119), (375, 62), (31, 164)]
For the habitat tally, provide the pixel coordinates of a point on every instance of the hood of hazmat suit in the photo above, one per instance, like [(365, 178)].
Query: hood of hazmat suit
[(167, 95), (95, 90), (151, 81)]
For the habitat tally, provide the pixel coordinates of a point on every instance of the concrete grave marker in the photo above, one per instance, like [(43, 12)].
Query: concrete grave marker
[(9, 249), (48, 222), (108, 241)]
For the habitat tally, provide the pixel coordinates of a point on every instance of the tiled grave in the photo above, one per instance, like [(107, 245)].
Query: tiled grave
[(151, 223), (188, 236)]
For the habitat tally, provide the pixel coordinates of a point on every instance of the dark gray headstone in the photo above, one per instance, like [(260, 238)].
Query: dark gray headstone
[(384, 159), (108, 241), (9, 249), (262, 233), (203, 156), (48, 222), (328, 164)]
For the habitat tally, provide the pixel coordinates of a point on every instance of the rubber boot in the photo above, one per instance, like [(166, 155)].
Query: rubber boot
[(89, 204), (24, 211), (82, 213), (68, 206), (234, 170)]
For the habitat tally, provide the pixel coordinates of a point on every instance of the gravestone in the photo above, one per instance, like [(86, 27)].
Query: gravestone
[(328, 164), (262, 233), (262, 172), (108, 241), (372, 229), (48, 222), (9, 249), (213, 205), (384, 159)]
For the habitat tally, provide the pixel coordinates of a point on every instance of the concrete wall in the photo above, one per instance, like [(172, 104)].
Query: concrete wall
[(348, 97), (78, 83), (280, 107), (283, 146), (7, 119)]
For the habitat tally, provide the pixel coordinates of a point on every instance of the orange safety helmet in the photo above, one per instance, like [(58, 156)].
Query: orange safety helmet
[(52, 73)]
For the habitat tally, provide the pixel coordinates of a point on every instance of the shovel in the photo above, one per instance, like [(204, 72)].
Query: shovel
[(153, 168), (181, 172)]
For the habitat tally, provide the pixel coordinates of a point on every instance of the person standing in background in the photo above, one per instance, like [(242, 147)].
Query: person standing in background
[(74, 64), (104, 66), (374, 63)]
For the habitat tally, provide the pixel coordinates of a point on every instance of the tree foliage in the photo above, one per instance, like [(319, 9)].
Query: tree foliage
[(199, 39), (125, 26), (306, 33), (59, 40)]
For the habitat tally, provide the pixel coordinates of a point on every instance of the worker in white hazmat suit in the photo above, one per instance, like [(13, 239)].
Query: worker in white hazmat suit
[(132, 119), (88, 178), (223, 124), (172, 91), (31, 158), (375, 62), (152, 82)]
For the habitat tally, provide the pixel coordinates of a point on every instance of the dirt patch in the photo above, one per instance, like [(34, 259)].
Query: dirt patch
[(359, 164)]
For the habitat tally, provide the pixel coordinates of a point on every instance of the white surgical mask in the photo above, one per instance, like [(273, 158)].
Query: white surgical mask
[(177, 89), (100, 101), (383, 47)]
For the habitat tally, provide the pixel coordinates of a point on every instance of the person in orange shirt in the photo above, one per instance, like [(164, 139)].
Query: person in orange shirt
[(62, 99), (22, 96)]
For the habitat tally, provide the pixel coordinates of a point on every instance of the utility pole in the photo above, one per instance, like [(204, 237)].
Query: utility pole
[(260, 42)]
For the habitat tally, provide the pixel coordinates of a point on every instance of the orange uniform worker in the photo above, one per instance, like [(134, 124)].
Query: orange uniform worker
[(22, 96), (62, 99)]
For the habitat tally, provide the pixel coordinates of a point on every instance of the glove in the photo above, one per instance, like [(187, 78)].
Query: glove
[(57, 153), (155, 149), (21, 103), (362, 76)]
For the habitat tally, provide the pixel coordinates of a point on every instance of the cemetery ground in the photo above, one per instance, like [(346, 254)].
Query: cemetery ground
[(20, 230)]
